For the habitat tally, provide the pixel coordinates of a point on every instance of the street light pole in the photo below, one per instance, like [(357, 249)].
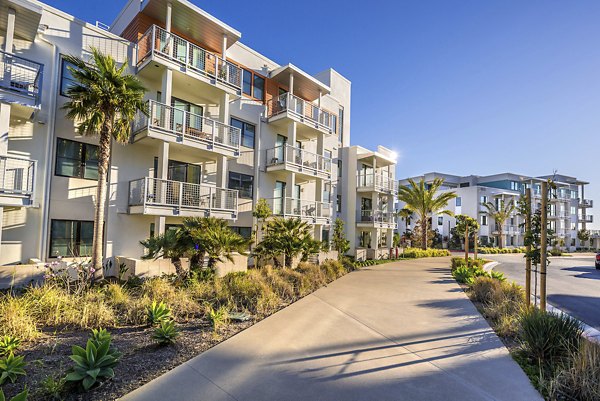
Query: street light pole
[(543, 245), (528, 249)]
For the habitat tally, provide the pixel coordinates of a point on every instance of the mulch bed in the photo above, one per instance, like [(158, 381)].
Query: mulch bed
[(142, 360)]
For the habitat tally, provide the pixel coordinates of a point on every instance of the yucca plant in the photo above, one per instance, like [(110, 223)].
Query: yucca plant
[(11, 367), (158, 312), (8, 344), (22, 396), (166, 333), (92, 364)]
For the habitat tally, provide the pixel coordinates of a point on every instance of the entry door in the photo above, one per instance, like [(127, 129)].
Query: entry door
[(193, 120), (280, 143), (279, 197)]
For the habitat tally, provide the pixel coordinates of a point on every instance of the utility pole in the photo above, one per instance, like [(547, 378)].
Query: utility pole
[(543, 245), (528, 249), (467, 243)]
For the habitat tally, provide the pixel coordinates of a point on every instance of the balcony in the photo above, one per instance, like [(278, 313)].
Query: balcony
[(588, 218), (171, 124), (585, 203), (376, 183), (508, 230), (559, 215), (290, 107), (20, 81), (173, 51), (313, 212), (300, 161), (158, 197), (376, 219), (16, 181)]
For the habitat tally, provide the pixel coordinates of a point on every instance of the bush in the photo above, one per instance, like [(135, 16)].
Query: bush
[(413, 253), (555, 252), (457, 261), (10, 367), (166, 333), (463, 275), (485, 289), (580, 379), (492, 250), (16, 319), (549, 338)]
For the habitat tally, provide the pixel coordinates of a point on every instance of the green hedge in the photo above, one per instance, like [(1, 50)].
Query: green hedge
[(458, 261), (489, 250), (414, 253)]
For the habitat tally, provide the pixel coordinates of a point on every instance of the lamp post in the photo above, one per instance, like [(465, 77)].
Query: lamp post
[(543, 245)]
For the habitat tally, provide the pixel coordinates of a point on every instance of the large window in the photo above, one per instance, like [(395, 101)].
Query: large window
[(71, 238), (243, 183), (253, 85), (245, 232), (338, 204), (66, 77), (248, 132), (458, 201), (76, 159)]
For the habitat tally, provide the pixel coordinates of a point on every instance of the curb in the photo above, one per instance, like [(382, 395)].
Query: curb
[(589, 332)]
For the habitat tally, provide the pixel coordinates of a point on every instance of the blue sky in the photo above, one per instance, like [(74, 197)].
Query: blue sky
[(464, 87)]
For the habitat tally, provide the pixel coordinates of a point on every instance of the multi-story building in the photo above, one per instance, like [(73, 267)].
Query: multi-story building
[(568, 208), (226, 126)]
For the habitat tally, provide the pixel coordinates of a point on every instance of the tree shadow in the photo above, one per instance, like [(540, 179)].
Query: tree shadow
[(588, 272)]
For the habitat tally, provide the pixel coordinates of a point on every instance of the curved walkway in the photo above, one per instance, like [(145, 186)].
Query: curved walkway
[(399, 331)]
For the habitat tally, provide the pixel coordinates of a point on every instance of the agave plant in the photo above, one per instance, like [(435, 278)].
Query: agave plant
[(11, 367), (99, 336), (22, 396), (166, 333), (92, 364), (8, 344), (158, 312)]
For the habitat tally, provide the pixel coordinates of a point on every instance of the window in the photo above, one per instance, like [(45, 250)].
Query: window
[(66, 77), (242, 182), (458, 201), (245, 232), (341, 123), (76, 159), (248, 132), (71, 238), (338, 204), (325, 235), (484, 220), (573, 210), (484, 199), (339, 167), (383, 240), (440, 221), (253, 85), (365, 239), (514, 185), (326, 193)]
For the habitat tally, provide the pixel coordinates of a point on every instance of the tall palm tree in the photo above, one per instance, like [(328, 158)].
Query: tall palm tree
[(104, 99), (421, 199), (500, 214)]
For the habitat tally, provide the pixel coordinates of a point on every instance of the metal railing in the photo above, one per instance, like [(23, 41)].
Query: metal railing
[(21, 75), (16, 176), (288, 154), (586, 203), (149, 191), (375, 216), (159, 42), (508, 229), (303, 109), (300, 208), (379, 182), (187, 126), (588, 218)]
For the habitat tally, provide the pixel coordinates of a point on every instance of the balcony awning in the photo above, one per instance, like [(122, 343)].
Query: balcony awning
[(305, 85), (381, 159), (193, 22), (27, 19)]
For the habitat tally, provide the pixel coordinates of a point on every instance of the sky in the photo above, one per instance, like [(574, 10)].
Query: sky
[(461, 87)]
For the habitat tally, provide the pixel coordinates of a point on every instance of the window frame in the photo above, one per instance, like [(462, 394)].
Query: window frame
[(243, 131), (458, 201), (76, 239), (241, 193), (63, 68), (253, 75), (82, 159)]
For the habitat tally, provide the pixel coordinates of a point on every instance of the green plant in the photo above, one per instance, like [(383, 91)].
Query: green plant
[(92, 364), (11, 366), (22, 396), (339, 241), (53, 387), (288, 237), (500, 213), (100, 336), (217, 317), (166, 333), (548, 337), (579, 380), (158, 312), (463, 275), (8, 344), (171, 245), (497, 275)]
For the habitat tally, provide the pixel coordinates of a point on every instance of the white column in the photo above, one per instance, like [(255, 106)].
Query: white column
[(10, 31), (224, 109), (291, 133), (1, 227), (320, 96), (166, 86), (224, 47), (162, 173), (221, 171), (168, 18), (291, 83), (4, 127)]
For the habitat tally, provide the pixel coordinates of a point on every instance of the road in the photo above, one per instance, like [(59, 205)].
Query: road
[(573, 283), (399, 331)]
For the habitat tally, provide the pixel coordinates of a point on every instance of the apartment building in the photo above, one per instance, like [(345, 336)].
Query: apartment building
[(366, 201), (226, 126), (568, 207)]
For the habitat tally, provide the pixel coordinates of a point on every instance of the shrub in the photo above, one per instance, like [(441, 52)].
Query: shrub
[(548, 337), (413, 253), (8, 344), (180, 302), (579, 380), (555, 252), (11, 366), (92, 364), (166, 333), (157, 313), (22, 396), (53, 387), (492, 250), (485, 289), (16, 318), (463, 275), (497, 275), (456, 262), (240, 291), (217, 317)]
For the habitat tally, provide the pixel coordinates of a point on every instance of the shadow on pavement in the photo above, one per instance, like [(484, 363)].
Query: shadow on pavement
[(588, 272)]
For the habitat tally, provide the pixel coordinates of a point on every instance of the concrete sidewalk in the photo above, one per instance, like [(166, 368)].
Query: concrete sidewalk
[(400, 331)]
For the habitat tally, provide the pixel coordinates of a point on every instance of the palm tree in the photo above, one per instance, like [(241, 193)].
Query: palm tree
[(290, 237), (404, 215), (171, 245), (421, 199), (500, 214), (103, 102), (262, 212)]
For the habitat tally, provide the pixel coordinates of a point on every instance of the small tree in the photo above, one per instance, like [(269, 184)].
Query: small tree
[(171, 245), (261, 212), (583, 236), (288, 237), (339, 241), (467, 227), (500, 214)]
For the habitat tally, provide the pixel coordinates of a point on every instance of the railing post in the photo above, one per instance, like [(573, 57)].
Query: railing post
[(180, 200)]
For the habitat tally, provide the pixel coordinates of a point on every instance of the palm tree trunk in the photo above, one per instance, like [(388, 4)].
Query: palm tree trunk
[(178, 266), (424, 233), (98, 240), (500, 237)]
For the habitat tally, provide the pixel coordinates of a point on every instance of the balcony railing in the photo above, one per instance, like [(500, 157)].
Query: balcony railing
[(378, 182), (16, 176), (300, 208), (375, 216), (559, 215), (287, 154), (157, 192), (303, 109), (187, 126), (588, 218), (157, 41), (18, 74), (586, 203), (508, 229)]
